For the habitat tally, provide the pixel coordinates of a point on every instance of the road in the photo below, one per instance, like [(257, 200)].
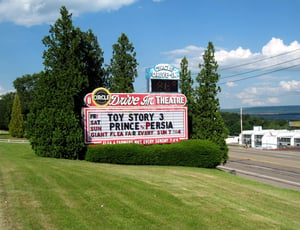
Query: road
[(278, 168)]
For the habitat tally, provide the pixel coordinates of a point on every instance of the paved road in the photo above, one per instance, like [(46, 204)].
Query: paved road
[(278, 168)]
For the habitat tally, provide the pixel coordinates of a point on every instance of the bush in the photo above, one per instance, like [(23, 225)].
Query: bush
[(56, 133), (195, 153)]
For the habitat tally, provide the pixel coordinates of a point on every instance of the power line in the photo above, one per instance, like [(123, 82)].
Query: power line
[(263, 68), (258, 75), (256, 61)]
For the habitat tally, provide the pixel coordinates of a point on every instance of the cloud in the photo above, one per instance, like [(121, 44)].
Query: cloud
[(231, 84), (276, 46), (192, 53), (275, 54), (260, 83), (290, 85), (274, 100), (260, 96), (231, 57), (252, 102), (35, 12), (3, 91), (255, 101), (268, 93)]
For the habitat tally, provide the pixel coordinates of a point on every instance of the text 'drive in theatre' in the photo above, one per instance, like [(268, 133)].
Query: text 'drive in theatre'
[(142, 126)]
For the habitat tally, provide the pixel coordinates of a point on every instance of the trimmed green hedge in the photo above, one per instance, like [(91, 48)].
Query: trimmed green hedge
[(195, 153)]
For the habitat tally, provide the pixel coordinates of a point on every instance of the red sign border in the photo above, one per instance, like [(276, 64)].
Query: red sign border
[(90, 102)]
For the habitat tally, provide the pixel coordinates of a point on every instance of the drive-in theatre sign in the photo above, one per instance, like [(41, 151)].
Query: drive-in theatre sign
[(142, 118)]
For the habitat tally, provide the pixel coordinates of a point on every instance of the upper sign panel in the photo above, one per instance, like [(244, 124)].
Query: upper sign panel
[(163, 71)]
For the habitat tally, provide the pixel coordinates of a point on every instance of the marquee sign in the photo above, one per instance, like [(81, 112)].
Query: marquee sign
[(142, 118)]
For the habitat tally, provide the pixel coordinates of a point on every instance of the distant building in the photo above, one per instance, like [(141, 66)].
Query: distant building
[(269, 138)]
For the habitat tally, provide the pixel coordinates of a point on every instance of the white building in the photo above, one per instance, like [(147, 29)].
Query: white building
[(269, 138)]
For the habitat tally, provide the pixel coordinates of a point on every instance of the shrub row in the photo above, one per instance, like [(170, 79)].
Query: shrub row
[(195, 153)]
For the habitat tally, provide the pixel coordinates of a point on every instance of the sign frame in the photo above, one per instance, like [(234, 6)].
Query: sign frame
[(166, 74)]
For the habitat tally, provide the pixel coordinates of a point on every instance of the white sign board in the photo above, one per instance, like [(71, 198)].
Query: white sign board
[(141, 125)]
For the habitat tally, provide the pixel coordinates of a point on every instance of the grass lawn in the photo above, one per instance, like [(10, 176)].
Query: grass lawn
[(45, 193), (5, 135)]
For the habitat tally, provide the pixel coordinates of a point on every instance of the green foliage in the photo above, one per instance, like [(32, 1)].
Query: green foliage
[(57, 134), (186, 86), (233, 123), (6, 102), (73, 67), (123, 66), (16, 124), (196, 153), (25, 86), (186, 81), (208, 123)]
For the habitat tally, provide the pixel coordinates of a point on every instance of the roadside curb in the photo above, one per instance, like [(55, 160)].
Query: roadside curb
[(238, 171)]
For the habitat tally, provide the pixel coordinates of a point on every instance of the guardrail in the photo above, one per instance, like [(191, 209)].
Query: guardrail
[(14, 141)]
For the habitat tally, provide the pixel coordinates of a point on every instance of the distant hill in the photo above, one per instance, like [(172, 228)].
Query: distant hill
[(290, 112)]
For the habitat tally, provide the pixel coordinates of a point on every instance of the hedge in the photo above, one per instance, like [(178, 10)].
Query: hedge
[(195, 153)]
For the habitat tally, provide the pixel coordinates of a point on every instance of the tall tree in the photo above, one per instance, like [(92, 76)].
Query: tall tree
[(25, 87), (16, 124), (6, 102), (73, 66), (123, 66), (92, 61), (208, 122), (186, 86)]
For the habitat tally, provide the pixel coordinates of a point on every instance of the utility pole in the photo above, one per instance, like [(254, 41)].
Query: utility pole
[(241, 113)]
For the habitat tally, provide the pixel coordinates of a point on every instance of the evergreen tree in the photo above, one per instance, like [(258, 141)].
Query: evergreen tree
[(16, 124), (123, 66), (73, 67), (6, 102), (91, 59), (208, 122), (25, 87), (186, 86)]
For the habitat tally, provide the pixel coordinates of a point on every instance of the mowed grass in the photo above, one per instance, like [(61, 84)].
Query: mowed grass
[(4, 134), (45, 193)]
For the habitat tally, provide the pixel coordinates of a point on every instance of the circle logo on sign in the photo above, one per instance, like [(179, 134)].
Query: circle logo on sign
[(101, 96)]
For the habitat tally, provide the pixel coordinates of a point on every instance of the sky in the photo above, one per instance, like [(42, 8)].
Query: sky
[(257, 42)]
